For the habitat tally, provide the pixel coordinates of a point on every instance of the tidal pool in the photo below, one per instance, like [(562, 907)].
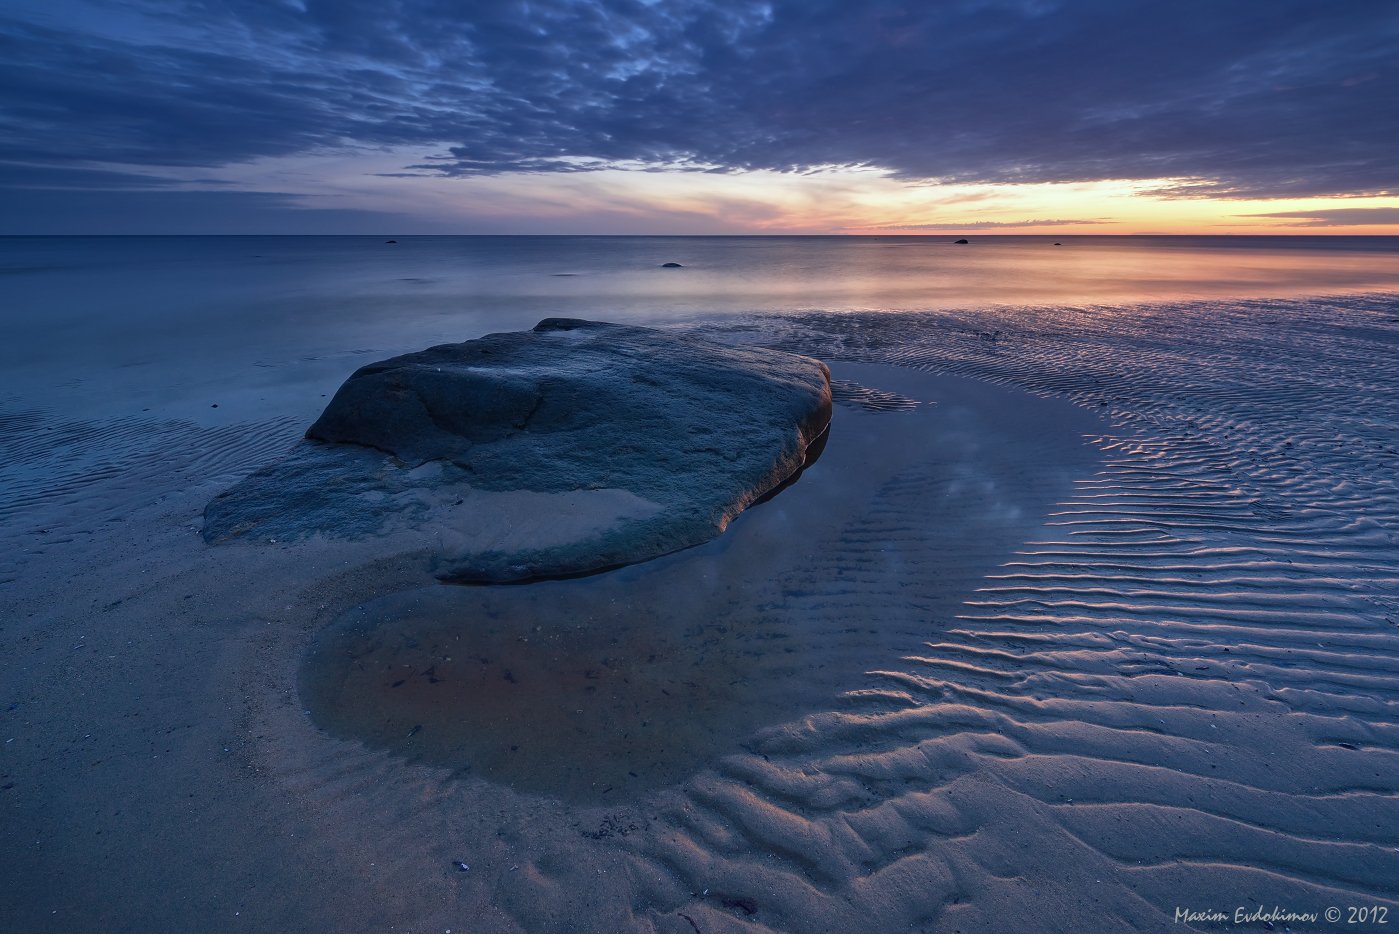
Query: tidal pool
[(603, 688)]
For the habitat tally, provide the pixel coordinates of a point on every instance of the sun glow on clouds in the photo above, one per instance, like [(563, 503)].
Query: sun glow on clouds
[(656, 200), (560, 115)]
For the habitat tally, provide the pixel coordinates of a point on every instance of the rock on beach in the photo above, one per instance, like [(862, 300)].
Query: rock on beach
[(570, 448)]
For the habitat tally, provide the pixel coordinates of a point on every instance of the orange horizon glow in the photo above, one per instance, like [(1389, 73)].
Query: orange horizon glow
[(839, 201)]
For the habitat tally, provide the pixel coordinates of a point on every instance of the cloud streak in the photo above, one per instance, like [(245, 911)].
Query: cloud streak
[(1339, 217), (988, 225)]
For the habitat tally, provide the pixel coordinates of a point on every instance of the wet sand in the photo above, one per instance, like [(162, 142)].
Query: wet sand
[(1109, 630), (608, 687)]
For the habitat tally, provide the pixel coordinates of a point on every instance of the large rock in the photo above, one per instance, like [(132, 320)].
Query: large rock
[(570, 448)]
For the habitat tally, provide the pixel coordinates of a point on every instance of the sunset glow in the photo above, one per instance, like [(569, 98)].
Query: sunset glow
[(823, 202)]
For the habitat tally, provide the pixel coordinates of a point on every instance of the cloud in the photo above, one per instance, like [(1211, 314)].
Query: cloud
[(1339, 217), (39, 211), (1251, 98), (988, 225), (75, 178)]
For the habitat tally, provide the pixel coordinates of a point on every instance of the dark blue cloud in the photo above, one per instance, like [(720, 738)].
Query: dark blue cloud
[(134, 210), (1247, 97), (1339, 217)]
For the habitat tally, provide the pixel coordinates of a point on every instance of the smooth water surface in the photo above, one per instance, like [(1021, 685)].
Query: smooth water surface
[(114, 325)]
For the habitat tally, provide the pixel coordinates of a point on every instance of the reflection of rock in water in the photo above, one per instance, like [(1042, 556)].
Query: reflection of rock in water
[(602, 688)]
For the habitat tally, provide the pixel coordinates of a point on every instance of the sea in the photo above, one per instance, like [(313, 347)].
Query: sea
[(213, 328)]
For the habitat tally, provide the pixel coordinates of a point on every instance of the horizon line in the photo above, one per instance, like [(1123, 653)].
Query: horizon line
[(842, 236)]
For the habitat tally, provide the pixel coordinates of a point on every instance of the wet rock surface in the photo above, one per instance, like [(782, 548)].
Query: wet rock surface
[(566, 449)]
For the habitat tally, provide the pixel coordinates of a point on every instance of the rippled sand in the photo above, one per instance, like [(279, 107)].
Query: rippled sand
[(1106, 631), (602, 689)]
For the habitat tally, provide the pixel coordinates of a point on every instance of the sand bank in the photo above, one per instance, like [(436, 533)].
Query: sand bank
[(1107, 631)]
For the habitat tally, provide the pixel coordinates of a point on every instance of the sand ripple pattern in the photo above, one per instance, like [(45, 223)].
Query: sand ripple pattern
[(1182, 693), (61, 478), (1185, 692), (850, 393)]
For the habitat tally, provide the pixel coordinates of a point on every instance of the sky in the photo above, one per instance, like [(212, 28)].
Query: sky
[(699, 117)]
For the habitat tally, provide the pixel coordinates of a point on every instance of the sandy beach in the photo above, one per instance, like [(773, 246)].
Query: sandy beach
[(1085, 617)]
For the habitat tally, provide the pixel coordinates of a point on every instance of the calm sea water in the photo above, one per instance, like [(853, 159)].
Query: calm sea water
[(98, 325)]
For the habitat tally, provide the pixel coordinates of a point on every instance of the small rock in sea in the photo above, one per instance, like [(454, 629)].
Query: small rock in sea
[(963, 240), (671, 266), (390, 241), (214, 406), (1057, 243)]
